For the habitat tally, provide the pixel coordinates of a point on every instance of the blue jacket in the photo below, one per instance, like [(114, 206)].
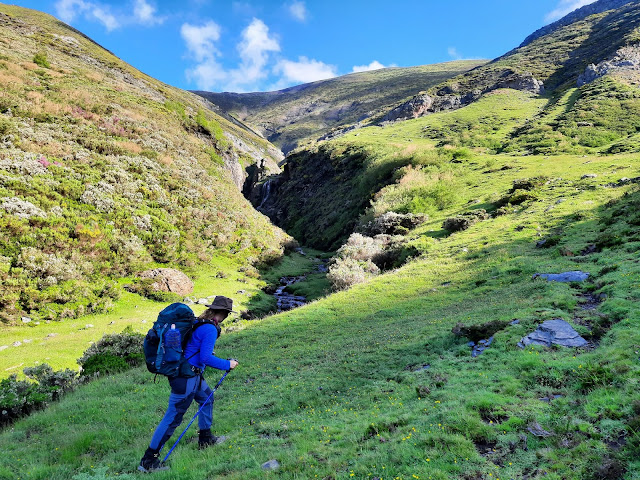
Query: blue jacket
[(199, 349)]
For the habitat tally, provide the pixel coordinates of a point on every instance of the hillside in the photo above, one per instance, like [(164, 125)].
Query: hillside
[(589, 104), (372, 383), (291, 117), (478, 229), (105, 172)]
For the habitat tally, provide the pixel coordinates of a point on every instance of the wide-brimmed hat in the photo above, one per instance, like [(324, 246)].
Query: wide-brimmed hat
[(221, 303)]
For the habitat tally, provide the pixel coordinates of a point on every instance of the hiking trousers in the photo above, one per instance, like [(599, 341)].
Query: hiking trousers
[(183, 392)]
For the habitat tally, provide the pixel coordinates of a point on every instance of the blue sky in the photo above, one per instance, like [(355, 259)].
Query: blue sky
[(250, 45)]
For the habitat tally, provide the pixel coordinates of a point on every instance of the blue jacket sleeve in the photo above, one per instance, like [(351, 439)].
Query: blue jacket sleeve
[(209, 337)]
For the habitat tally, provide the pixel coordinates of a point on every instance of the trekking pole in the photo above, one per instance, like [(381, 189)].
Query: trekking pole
[(196, 415)]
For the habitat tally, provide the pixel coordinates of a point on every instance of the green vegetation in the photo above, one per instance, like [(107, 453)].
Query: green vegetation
[(378, 380), (338, 387), (40, 59), (104, 173)]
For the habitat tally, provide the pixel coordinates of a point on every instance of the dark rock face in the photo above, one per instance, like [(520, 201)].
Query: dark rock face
[(554, 332), (169, 280)]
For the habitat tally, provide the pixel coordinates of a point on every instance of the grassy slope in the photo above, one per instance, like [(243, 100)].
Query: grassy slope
[(289, 117), (330, 389), (129, 172)]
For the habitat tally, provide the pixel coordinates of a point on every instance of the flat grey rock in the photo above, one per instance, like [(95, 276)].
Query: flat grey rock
[(574, 276), (271, 465), (555, 332)]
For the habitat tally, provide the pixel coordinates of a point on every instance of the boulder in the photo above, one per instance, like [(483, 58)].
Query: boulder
[(271, 465), (554, 332), (169, 280), (414, 108), (566, 277)]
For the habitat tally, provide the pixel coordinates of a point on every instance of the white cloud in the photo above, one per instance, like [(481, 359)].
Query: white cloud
[(453, 53), (145, 13), (254, 51), (298, 10), (67, 10), (565, 7), (305, 70), (201, 40), (104, 17), (375, 65)]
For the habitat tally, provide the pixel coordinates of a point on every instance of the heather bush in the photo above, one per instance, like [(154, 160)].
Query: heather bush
[(19, 398), (393, 223), (345, 272), (113, 351), (464, 221)]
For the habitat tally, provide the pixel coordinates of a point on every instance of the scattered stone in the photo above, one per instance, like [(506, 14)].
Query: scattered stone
[(589, 175), (271, 465), (26, 320), (16, 344), (554, 332), (549, 398), (202, 301), (51, 335), (3, 347), (480, 347), (589, 249), (535, 429), (27, 340), (514, 322), (422, 368), (88, 325), (566, 277), (423, 391), (169, 280)]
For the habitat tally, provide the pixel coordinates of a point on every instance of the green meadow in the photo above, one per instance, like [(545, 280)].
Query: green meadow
[(372, 383)]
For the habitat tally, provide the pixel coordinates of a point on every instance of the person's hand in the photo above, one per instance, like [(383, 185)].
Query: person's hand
[(233, 364)]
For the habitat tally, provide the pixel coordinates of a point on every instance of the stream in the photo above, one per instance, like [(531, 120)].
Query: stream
[(287, 301)]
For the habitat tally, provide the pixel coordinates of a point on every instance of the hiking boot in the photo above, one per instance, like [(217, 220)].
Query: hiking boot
[(206, 439), (151, 463)]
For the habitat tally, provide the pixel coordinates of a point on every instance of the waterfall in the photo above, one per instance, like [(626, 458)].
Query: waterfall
[(266, 192)]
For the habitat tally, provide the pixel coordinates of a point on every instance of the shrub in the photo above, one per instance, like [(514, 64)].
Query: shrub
[(40, 59), (19, 398), (346, 272), (101, 356), (464, 221), (393, 223), (104, 364)]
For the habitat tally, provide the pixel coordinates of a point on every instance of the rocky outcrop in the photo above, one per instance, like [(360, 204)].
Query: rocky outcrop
[(525, 82), (416, 107), (626, 60), (450, 97), (169, 280)]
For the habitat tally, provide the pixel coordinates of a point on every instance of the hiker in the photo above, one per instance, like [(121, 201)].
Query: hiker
[(199, 353)]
